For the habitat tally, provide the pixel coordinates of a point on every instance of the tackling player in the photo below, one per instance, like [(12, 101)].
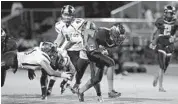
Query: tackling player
[(59, 61), (163, 42), (93, 39), (31, 60)]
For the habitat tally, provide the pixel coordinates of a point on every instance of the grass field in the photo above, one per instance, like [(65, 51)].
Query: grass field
[(135, 89)]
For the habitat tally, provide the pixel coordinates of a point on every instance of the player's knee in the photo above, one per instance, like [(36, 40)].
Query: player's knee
[(110, 62), (162, 66), (96, 80)]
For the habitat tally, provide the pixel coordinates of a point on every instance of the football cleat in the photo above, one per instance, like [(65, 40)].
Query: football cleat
[(75, 88), (80, 96), (114, 94), (162, 90), (100, 99), (44, 97), (49, 92), (62, 88)]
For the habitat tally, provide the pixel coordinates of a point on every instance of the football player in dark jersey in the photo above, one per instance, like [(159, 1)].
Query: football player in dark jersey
[(163, 42), (7, 44), (93, 40)]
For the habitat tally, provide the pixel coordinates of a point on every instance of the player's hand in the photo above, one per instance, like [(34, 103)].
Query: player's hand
[(31, 74), (152, 46), (105, 52), (172, 39), (67, 75)]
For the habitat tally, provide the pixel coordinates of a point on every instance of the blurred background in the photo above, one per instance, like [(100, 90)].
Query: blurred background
[(36, 20)]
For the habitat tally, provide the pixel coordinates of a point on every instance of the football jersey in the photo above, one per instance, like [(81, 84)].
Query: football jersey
[(166, 29), (47, 46), (32, 58), (8, 45), (101, 37), (72, 33)]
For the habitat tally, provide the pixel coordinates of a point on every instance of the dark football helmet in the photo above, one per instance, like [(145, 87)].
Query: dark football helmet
[(117, 33), (169, 13)]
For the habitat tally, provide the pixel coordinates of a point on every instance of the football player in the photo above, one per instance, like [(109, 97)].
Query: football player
[(59, 61), (31, 60), (93, 39), (163, 42), (69, 38), (7, 44)]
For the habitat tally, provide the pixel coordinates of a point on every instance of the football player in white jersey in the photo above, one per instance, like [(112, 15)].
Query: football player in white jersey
[(69, 35), (31, 60), (59, 61)]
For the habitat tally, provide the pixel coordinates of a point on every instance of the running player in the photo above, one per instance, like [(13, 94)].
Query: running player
[(93, 39), (163, 42), (70, 39)]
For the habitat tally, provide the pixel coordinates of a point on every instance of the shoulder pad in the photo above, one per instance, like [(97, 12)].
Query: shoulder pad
[(159, 21), (59, 25), (78, 22)]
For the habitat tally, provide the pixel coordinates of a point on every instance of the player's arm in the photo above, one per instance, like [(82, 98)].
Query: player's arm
[(159, 23), (159, 26), (60, 38), (88, 29), (49, 70)]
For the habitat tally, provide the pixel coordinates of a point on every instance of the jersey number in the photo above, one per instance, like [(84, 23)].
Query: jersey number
[(167, 29)]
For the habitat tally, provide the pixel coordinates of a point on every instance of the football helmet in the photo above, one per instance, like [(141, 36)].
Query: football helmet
[(169, 13), (117, 33), (67, 13)]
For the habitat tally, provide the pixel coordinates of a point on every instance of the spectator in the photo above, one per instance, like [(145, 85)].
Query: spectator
[(148, 15)]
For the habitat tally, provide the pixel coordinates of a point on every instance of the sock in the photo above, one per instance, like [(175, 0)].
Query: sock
[(63, 82), (98, 89), (110, 78), (51, 84), (44, 90), (161, 78)]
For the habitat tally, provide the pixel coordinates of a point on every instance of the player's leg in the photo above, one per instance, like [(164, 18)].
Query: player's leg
[(81, 66), (110, 78), (8, 60), (97, 87), (67, 83), (161, 59), (3, 74), (74, 56), (93, 81), (50, 85), (43, 82), (100, 60), (169, 51)]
